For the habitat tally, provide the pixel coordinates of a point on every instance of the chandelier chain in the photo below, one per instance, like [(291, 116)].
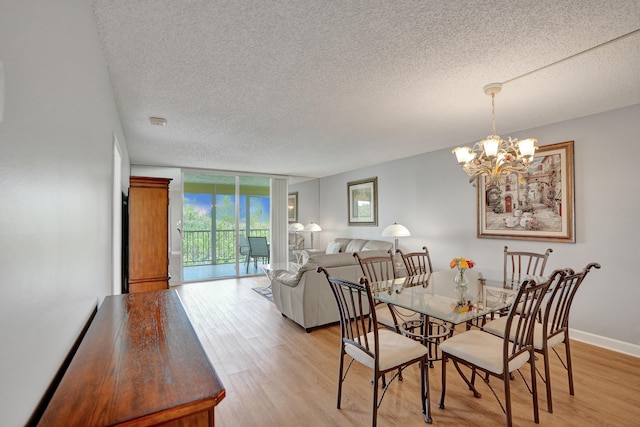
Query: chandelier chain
[(493, 113)]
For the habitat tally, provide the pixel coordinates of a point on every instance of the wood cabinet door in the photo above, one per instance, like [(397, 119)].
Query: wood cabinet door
[(148, 234)]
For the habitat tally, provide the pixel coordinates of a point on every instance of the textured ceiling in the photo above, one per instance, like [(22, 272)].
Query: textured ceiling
[(315, 87)]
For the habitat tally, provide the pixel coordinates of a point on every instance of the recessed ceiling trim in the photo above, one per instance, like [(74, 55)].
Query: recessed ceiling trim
[(573, 56)]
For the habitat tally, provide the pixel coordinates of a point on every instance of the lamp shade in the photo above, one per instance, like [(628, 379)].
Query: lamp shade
[(463, 154), (296, 226), (396, 230), (312, 226), (527, 147)]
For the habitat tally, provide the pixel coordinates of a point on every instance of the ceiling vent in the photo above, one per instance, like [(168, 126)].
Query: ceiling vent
[(158, 121)]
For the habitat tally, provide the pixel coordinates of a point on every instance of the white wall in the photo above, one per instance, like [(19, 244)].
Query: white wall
[(56, 173), (429, 194)]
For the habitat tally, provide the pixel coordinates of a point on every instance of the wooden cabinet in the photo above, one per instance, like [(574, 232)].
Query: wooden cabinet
[(148, 234), (139, 364)]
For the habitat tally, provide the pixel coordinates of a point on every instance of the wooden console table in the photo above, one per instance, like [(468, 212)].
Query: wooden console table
[(140, 364)]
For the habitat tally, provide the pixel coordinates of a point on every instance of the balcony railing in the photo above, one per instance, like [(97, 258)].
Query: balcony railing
[(197, 246)]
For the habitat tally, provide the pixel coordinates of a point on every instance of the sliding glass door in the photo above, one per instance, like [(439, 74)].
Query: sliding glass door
[(220, 212)]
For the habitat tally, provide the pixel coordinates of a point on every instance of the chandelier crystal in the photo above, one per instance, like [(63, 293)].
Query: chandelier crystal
[(493, 157)]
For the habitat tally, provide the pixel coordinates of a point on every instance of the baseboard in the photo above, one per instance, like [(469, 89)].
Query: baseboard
[(175, 268), (604, 342)]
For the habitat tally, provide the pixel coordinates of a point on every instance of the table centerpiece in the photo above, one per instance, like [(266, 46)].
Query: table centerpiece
[(461, 281)]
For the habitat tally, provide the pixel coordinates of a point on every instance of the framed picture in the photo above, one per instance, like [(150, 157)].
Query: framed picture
[(362, 199), (292, 207), (537, 205)]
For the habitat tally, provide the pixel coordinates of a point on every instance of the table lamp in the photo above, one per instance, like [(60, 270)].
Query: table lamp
[(296, 227), (312, 227), (395, 230)]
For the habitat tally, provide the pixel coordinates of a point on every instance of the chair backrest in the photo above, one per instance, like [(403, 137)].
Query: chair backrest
[(518, 265), (377, 268), (259, 246), (521, 318), (558, 304), (417, 262), (244, 245), (356, 320)]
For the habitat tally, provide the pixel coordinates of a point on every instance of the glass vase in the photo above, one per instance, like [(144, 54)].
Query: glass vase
[(461, 282)]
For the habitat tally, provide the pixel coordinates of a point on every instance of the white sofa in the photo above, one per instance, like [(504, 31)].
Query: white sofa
[(305, 296)]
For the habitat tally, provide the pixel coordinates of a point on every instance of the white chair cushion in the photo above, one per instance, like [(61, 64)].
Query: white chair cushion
[(498, 326), (384, 317), (482, 349), (395, 349)]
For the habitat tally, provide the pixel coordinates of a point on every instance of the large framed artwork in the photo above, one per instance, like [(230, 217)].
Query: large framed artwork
[(538, 205), (292, 207), (362, 199)]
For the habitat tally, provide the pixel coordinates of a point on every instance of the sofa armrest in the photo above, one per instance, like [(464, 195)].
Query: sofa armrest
[(314, 251), (286, 277), (306, 253)]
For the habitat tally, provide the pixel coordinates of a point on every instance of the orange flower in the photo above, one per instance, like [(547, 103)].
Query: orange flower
[(461, 263)]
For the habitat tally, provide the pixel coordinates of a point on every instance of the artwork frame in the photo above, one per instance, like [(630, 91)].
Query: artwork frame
[(540, 207), (292, 207), (362, 202)]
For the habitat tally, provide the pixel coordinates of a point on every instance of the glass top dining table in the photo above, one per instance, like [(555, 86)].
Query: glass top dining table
[(434, 295)]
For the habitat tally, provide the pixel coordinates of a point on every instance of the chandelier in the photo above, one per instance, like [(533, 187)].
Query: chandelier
[(493, 157)]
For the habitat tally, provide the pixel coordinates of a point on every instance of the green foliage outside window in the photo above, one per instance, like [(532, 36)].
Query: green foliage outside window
[(199, 236)]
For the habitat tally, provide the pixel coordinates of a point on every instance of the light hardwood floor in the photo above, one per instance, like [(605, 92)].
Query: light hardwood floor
[(276, 374)]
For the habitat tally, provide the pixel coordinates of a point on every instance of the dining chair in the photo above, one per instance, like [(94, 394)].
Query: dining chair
[(495, 356), (258, 248), (518, 265), (420, 263), (381, 268), (416, 262), (379, 349), (378, 269), (555, 315)]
